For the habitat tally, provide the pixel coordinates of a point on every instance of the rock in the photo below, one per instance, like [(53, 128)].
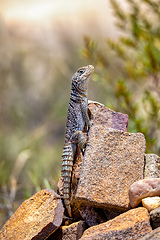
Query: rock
[(36, 218), (71, 232), (142, 189), (93, 216), (111, 213), (152, 166), (100, 114), (113, 160), (155, 217), (132, 224), (153, 235), (151, 203)]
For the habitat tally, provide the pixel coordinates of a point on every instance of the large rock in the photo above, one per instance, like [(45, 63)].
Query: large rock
[(152, 166), (99, 114), (36, 218), (71, 232), (113, 161), (143, 188), (132, 224), (153, 235)]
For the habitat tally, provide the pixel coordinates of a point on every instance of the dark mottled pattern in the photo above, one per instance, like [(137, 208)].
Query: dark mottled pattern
[(153, 235), (155, 218), (76, 119)]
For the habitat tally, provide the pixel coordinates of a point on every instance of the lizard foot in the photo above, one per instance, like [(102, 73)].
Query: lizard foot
[(79, 139)]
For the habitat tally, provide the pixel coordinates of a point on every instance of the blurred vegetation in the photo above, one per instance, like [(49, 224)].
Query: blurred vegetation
[(130, 76), (35, 89), (34, 93)]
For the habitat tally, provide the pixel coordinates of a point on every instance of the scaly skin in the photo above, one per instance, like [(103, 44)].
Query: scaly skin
[(77, 118)]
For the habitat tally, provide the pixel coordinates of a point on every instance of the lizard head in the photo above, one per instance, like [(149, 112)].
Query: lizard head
[(81, 77)]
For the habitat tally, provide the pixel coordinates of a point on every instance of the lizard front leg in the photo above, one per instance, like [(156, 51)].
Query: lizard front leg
[(79, 139), (84, 110)]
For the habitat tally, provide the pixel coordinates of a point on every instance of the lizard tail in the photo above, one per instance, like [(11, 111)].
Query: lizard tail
[(68, 207), (67, 164)]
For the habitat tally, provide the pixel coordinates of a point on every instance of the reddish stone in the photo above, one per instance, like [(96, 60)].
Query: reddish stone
[(36, 218), (71, 232), (100, 114), (149, 187), (113, 160), (133, 224)]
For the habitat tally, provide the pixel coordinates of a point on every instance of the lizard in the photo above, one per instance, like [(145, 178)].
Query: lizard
[(77, 118)]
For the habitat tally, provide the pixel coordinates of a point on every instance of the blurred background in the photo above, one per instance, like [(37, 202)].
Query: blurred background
[(42, 44)]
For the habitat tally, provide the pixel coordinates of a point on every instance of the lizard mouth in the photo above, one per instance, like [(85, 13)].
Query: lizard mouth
[(89, 71)]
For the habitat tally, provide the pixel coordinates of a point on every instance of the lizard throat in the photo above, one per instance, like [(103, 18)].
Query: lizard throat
[(78, 92)]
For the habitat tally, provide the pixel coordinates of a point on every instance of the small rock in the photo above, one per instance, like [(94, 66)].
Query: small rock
[(71, 232), (155, 217), (151, 203), (142, 189), (153, 235), (36, 218), (113, 160), (152, 165), (132, 224), (93, 216), (100, 114)]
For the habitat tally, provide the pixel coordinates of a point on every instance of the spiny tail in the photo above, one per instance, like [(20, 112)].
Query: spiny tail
[(67, 164)]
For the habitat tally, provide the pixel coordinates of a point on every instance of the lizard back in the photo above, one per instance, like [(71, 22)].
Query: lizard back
[(74, 119)]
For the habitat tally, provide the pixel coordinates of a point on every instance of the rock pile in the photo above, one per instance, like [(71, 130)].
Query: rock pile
[(115, 191)]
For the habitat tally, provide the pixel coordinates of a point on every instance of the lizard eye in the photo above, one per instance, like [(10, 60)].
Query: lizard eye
[(81, 71)]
